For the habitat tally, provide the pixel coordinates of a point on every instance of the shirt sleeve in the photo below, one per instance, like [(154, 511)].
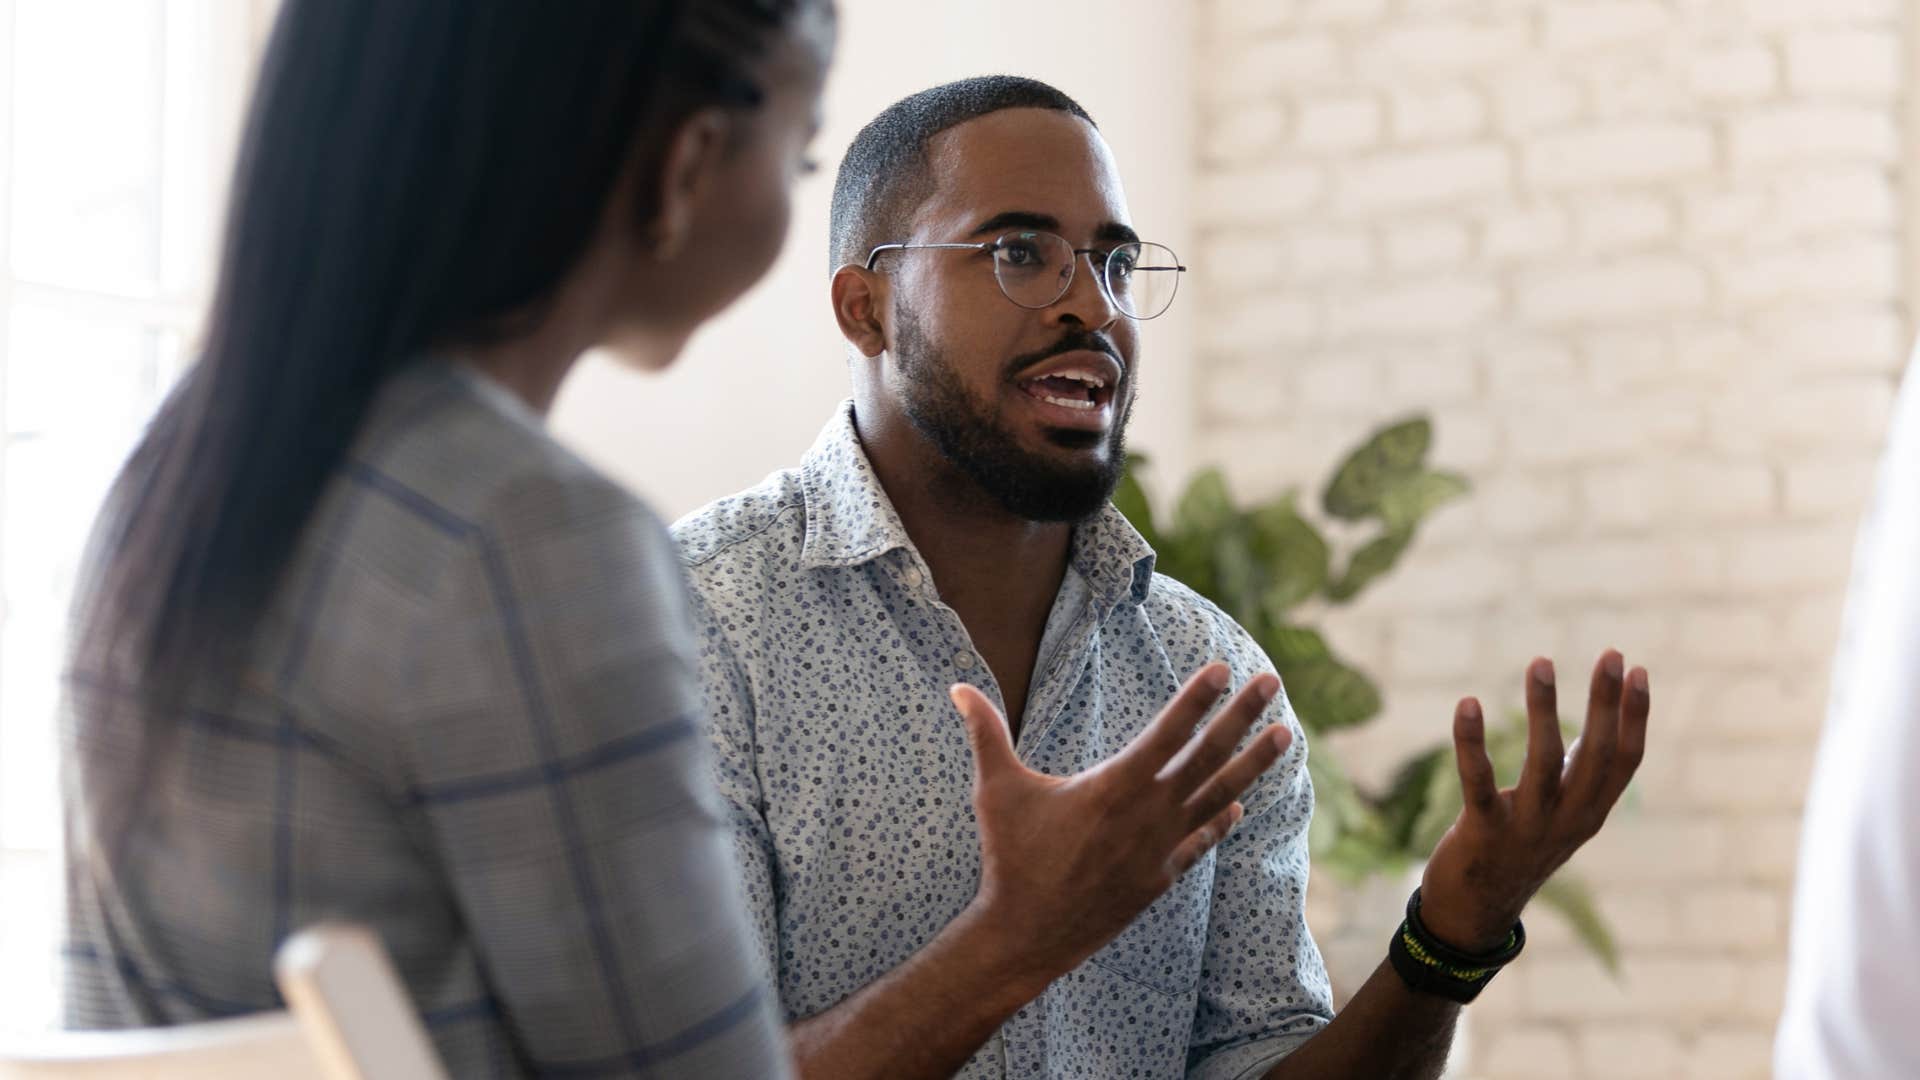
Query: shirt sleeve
[(1263, 986), (1853, 988), (565, 791), (729, 720)]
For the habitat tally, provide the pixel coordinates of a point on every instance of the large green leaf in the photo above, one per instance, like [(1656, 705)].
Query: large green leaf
[(1345, 831), (1295, 555), (1390, 453), (1206, 507), (1374, 559), (1293, 646), (1337, 806), (1131, 500), (1439, 810), (1408, 795), (1328, 695), (1239, 578), (1188, 560), (1356, 856), (1573, 901), (1410, 497), (1346, 835)]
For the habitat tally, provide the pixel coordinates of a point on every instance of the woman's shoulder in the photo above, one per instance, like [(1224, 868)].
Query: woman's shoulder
[(452, 521), (461, 452)]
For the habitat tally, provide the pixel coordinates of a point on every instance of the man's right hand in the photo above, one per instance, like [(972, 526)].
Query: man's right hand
[(1067, 863)]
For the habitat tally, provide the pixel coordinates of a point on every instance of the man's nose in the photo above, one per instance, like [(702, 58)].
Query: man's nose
[(1086, 301)]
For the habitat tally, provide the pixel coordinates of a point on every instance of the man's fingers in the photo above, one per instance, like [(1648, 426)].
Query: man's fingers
[(1590, 767), (1477, 787), (1203, 839), (1635, 706), (1546, 755), (1150, 750), (986, 732), (1227, 785), (1209, 750)]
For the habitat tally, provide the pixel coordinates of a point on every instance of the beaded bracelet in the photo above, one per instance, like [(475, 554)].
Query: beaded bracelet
[(1428, 965)]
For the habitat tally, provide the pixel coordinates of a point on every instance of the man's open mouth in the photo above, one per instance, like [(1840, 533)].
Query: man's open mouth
[(1072, 388)]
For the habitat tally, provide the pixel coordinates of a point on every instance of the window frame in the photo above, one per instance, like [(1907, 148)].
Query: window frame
[(206, 53)]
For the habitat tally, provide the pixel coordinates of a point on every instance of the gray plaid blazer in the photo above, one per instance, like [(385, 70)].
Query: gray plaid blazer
[(469, 721)]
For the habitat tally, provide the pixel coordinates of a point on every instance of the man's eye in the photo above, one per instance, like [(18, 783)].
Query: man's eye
[(1020, 253)]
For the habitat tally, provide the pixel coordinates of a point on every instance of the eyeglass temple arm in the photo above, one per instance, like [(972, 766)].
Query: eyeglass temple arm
[(1109, 254), (876, 252)]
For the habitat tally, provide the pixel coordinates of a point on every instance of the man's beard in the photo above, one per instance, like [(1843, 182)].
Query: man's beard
[(971, 437)]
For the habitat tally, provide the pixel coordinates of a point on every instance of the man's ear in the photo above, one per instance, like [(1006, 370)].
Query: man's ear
[(693, 157), (857, 303)]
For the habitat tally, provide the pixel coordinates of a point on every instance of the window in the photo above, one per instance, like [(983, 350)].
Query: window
[(116, 126)]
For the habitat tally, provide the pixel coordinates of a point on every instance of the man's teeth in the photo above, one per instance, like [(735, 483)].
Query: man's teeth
[(1067, 403)]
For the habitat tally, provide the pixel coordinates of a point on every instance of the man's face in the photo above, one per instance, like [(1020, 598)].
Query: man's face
[(1032, 404)]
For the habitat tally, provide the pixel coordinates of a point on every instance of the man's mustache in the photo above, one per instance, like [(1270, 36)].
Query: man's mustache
[(1072, 341)]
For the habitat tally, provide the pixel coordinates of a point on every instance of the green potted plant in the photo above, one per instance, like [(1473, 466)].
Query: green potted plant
[(1264, 565)]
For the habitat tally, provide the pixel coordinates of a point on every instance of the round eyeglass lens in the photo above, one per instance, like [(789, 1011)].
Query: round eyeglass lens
[(1142, 279), (1034, 268)]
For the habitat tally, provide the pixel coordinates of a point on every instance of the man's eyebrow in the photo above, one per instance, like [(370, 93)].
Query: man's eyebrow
[(1017, 219), (1111, 232)]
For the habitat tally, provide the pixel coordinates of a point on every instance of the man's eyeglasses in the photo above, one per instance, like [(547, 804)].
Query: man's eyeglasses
[(1035, 269)]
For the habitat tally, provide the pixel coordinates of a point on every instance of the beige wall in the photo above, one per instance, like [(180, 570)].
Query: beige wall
[(1644, 262), (754, 389)]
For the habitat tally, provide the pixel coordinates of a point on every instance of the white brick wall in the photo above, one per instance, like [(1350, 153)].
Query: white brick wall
[(1644, 261)]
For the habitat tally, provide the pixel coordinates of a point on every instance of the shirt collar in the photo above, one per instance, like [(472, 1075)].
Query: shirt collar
[(1114, 558), (850, 520)]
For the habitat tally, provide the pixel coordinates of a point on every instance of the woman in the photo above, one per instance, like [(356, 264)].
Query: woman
[(358, 639)]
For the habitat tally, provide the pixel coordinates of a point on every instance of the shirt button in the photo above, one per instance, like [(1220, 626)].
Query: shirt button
[(963, 660), (912, 578)]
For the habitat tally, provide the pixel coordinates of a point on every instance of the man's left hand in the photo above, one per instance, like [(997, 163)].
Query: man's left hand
[(1506, 843)]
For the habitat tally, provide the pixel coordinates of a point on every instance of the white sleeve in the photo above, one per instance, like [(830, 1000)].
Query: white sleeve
[(1853, 997)]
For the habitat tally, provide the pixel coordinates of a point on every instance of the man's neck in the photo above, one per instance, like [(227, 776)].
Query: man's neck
[(999, 572)]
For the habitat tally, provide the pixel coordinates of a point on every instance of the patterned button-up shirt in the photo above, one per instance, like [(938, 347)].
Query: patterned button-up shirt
[(827, 652)]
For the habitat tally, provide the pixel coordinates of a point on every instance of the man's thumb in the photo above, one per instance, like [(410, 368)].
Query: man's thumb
[(986, 731)]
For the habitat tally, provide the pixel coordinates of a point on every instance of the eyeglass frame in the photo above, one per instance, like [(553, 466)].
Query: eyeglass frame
[(1100, 279)]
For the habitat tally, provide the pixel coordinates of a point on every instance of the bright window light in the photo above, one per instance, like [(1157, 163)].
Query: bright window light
[(116, 124)]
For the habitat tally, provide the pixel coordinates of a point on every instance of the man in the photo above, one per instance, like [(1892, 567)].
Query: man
[(1852, 988), (1080, 914)]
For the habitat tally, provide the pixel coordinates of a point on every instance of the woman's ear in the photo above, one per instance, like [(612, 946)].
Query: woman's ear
[(693, 158), (857, 306)]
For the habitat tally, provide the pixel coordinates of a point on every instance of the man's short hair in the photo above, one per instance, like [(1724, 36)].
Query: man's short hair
[(884, 176)]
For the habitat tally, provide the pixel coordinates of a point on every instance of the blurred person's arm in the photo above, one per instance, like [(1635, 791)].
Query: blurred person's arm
[(562, 786), (1853, 990)]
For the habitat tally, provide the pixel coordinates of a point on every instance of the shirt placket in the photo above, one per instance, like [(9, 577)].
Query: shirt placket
[(1064, 672), (1023, 1049), (1020, 1043), (952, 654)]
